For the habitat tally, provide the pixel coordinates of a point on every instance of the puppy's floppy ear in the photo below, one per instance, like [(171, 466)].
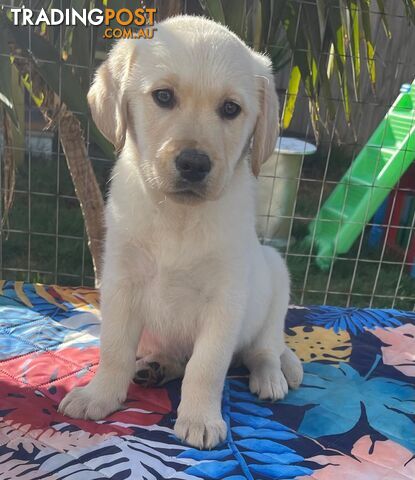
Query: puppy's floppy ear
[(267, 125), (106, 97)]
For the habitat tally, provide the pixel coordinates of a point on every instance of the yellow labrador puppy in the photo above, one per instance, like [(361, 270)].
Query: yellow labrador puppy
[(192, 112)]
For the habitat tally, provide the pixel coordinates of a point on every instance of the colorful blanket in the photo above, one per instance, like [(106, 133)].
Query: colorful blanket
[(353, 418)]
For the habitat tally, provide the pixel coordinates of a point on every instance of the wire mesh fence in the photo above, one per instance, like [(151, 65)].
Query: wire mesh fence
[(43, 239)]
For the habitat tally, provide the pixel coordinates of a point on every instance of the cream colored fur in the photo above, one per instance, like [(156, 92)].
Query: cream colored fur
[(186, 278)]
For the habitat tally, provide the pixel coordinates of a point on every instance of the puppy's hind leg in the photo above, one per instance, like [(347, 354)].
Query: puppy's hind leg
[(273, 367), (271, 375), (157, 369), (291, 368), (266, 378)]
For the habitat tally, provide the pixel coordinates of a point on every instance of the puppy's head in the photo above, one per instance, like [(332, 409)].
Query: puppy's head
[(190, 102)]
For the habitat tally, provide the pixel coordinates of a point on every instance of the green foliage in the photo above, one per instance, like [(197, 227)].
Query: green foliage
[(326, 39), (323, 40), (6, 96), (61, 56)]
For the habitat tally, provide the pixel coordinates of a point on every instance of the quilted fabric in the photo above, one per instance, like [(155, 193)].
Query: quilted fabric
[(353, 417)]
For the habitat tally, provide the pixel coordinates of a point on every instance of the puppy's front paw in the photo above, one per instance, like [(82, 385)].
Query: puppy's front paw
[(200, 432), (89, 403), (268, 383)]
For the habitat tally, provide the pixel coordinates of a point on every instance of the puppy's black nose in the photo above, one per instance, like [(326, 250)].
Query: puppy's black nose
[(193, 165)]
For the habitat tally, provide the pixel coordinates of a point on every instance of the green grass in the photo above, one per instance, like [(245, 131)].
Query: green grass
[(56, 243), (338, 281), (50, 216)]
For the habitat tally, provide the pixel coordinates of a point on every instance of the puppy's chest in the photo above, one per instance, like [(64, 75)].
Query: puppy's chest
[(176, 296)]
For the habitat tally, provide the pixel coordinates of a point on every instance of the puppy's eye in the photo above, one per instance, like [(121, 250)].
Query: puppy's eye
[(164, 98), (230, 110)]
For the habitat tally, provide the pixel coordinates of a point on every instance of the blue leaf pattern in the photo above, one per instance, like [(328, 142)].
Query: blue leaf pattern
[(387, 403), (214, 470), (253, 443), (356, 320), (48, 343)]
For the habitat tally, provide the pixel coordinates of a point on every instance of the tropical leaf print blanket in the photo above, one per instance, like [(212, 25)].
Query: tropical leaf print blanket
[(353, 417)]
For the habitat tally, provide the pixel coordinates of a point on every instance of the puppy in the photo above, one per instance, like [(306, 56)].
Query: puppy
[(193, 113)]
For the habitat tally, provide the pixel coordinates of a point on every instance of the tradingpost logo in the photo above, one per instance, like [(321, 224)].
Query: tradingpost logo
[(121, 23)]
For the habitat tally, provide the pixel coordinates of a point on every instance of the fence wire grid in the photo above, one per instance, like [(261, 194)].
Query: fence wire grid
[(44, 240)]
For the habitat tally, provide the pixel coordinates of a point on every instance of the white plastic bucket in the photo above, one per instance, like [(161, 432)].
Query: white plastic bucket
[(277, 190)]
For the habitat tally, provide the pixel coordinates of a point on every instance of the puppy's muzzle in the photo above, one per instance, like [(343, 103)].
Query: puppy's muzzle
[(193, 165)]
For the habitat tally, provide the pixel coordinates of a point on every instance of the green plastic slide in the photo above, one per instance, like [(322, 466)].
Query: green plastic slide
[(374, 173)]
